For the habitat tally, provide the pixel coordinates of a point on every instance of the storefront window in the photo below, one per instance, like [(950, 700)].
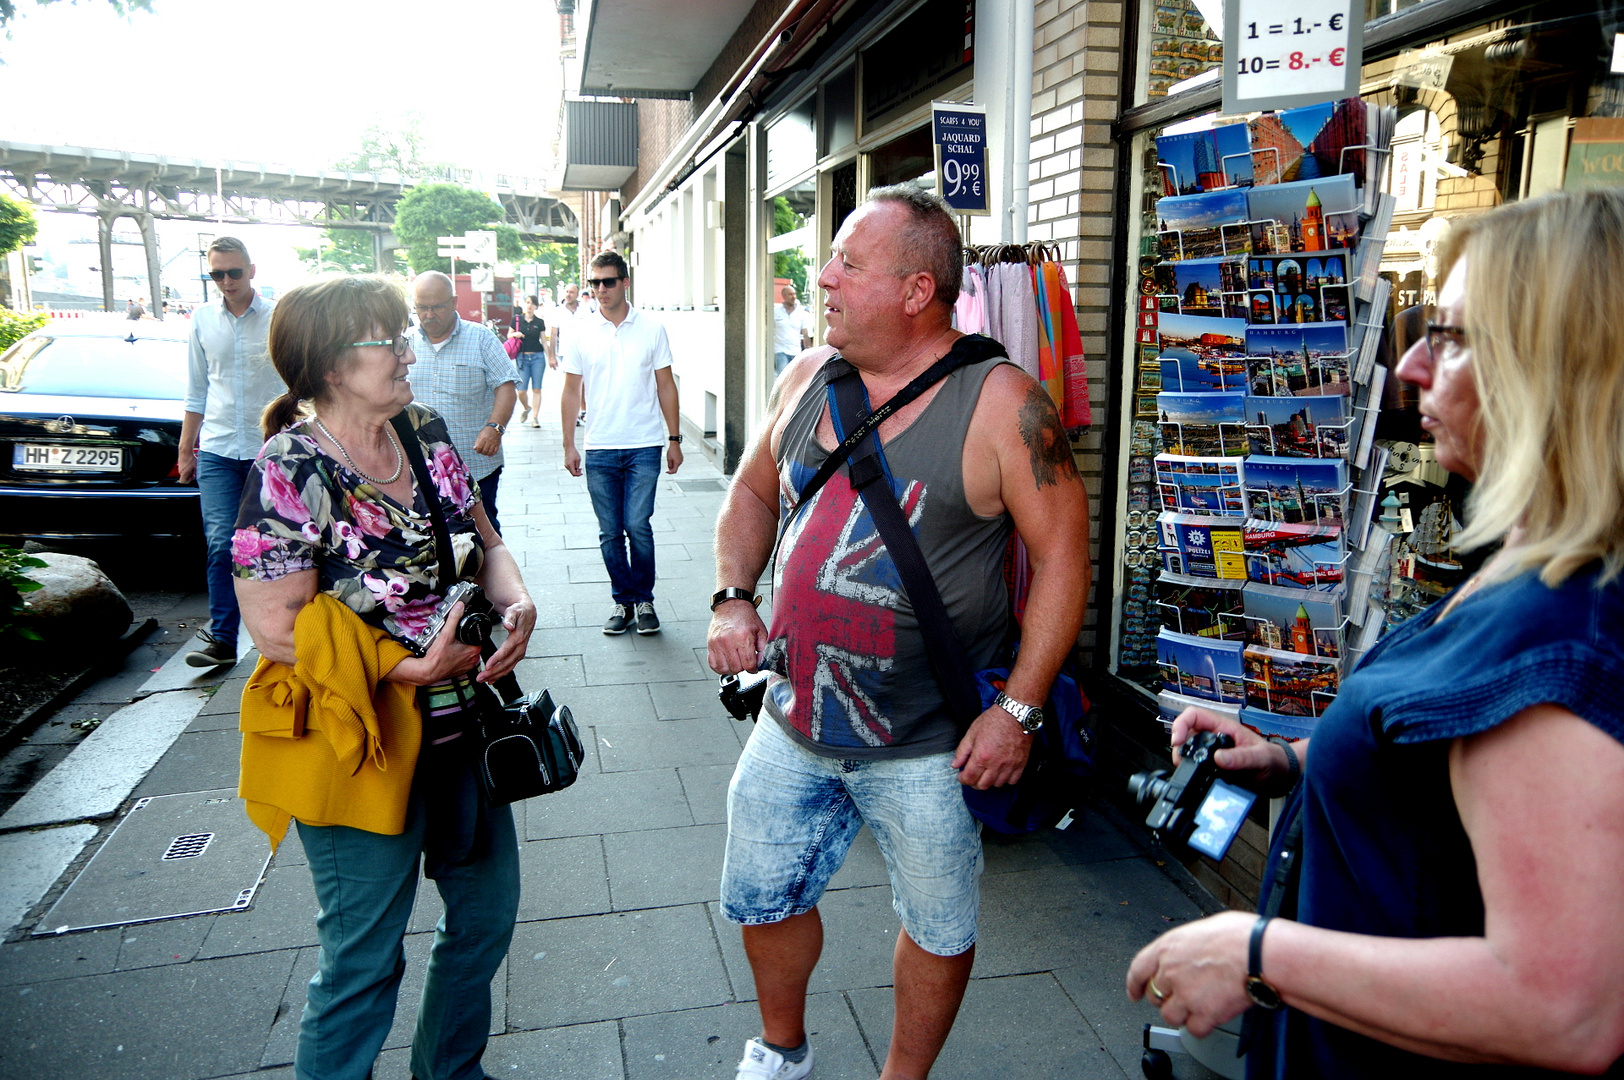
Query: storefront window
[(1184, 44), (791, 147), (907, 157), (793, 249)]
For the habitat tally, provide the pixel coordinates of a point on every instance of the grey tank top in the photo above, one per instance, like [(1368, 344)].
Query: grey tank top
[(856, 682)]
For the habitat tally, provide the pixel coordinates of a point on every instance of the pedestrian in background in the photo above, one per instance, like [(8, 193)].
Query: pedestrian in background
[(531, 329), (229, 382), (617, 364)]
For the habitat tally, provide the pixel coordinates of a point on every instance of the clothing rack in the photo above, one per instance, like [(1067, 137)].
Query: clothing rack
[(1032, 254)]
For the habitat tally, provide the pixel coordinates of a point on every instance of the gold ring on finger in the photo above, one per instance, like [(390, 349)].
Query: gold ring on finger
[(1156, 991)]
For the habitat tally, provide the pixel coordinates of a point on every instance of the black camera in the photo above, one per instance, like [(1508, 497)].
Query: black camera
[(741, 694), (1193, 807), (474, 628)]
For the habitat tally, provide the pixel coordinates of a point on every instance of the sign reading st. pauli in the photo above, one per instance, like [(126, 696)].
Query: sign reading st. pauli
[(959, 133), (1283, 54)]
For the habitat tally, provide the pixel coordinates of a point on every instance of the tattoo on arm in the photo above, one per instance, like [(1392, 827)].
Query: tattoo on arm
[(1046, 440)]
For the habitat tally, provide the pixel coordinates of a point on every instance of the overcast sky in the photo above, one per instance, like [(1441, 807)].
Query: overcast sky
[(293, 82)]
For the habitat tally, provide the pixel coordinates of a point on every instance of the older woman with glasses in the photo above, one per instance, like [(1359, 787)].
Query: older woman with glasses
[(1453, 901), (337, 563)]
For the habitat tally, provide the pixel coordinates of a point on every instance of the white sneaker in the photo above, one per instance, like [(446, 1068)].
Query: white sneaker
[(763, 1063)]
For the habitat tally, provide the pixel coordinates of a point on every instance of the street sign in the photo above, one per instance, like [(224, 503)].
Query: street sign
[(1282, 54), (482, 279), (481, 247), (959, 133)]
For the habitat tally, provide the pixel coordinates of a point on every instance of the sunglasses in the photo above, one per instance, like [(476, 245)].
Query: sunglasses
[(602, 283), (397, 343), (235, 274)]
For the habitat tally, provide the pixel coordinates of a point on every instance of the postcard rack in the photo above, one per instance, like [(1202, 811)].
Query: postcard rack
[(1218, 500), (1263, 434), (1226, 622), (1239, 441), (1335, 646), (1278, 378), (1325, 571), (1259, 497)]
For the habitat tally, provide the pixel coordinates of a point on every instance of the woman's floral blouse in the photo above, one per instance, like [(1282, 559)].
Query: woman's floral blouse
[(303, 510)]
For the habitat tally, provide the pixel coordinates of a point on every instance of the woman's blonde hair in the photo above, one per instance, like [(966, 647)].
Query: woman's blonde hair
[(310, 327), (1544, 319)]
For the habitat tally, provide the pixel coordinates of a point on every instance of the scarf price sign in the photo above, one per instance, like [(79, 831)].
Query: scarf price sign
[(1282, 54), (959, 133)]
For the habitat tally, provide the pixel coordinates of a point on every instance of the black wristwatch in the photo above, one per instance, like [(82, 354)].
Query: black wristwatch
[(1262, 994), (677, 438), (500, 430), (734, 593)]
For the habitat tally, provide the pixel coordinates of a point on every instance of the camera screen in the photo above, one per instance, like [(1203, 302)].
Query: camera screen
[(1218, 820)]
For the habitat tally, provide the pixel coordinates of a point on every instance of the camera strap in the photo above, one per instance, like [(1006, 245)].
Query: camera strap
[(507, 687)]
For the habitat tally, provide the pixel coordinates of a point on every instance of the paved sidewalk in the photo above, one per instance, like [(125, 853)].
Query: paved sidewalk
[(621, 966)]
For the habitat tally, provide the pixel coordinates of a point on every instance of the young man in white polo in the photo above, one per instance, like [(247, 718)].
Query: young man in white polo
[(617, 362)]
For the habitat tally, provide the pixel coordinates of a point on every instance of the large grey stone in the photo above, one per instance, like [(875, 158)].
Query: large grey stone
[(66, 956), (171, 941), (609, 803), (583, 1051), (665, 866), (1023, 1026), (706, 1044), (31, 864), (667, 744), (283, 917), (198, 761), (602, 967), (203, 1019), (562, 878), (705, 787), (687, 700), (76, 604)]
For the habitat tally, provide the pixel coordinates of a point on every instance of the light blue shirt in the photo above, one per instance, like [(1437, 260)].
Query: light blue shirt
[(229, 377), (459, 382)]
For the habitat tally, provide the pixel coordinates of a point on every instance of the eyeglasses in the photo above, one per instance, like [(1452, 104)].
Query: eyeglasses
[(447, 306), (602, 283), (1443, 339), (397, 343), (235, 274)]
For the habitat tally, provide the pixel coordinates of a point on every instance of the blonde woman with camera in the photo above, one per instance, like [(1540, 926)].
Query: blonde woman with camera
[(1455, 903), (337, 565)]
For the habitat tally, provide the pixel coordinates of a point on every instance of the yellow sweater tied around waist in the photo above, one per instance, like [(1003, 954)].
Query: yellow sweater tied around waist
[(329, 741)]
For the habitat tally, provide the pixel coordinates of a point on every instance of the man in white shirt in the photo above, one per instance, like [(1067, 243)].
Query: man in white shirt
[(792, 329), (618, 361), (229, 382)]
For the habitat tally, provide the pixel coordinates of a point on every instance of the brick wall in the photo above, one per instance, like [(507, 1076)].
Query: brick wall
[(1076, 68), (661, 123)]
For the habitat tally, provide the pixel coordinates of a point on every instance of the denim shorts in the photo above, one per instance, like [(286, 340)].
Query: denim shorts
[(532, 366), (792, 815)]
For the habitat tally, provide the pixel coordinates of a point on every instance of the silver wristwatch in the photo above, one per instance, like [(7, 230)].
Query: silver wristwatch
[(1030, 717)]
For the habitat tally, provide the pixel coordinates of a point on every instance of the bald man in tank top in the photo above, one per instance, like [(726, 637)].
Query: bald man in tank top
[(855, 729)]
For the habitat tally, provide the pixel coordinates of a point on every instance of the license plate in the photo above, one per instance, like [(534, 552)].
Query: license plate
[(70, 458)]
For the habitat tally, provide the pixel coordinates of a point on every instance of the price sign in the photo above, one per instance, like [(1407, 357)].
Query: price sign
[(1281, 54), (959, 133)]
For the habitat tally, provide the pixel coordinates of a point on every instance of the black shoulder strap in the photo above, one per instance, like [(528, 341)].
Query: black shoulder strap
[(948, 660), (967, 350), (446, 574)]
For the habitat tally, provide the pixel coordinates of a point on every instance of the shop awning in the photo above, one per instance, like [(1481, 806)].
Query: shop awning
[(654, 48)]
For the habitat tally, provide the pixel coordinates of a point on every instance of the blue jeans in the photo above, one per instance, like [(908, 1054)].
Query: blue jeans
[(366, 883), (621, 483), (792, 816), (487, 494), (532, 366), (219, 484)]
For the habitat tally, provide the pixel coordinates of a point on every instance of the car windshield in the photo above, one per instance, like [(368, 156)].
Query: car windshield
[(105, 367)]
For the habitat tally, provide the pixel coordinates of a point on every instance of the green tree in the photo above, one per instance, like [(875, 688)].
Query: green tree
[(790, 263), (429, 211), (346, 251), (565, 260), (8, 8), (400, 147), (18, 225)]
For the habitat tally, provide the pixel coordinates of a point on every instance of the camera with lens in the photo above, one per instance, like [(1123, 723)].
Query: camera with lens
[(1192, 807), (474, 628), (741, 694)]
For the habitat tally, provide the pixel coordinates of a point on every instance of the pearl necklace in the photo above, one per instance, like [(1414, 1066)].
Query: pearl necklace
[(399, 461)]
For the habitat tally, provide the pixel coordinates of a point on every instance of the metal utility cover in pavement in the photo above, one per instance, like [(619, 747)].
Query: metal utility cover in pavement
[(172, 855)]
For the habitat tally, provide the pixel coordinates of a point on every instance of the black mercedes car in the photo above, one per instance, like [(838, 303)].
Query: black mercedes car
[(90, 417)]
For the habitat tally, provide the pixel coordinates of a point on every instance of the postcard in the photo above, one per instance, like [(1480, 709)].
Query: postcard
[(1306, 143), (1312, 427), (1170, 705), (1336, 303), (1202, 607), (1203, 546), (1296, 273), (1298, 360), (1288, 683), (1300, 556), (1201, 354), (1201, 667), (1295, 620), (1199, 161), (1306, 216), (1201, 485), (1210, 287), (1204, 424), (1288, 727), (1192, 226), (1297, 490)]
